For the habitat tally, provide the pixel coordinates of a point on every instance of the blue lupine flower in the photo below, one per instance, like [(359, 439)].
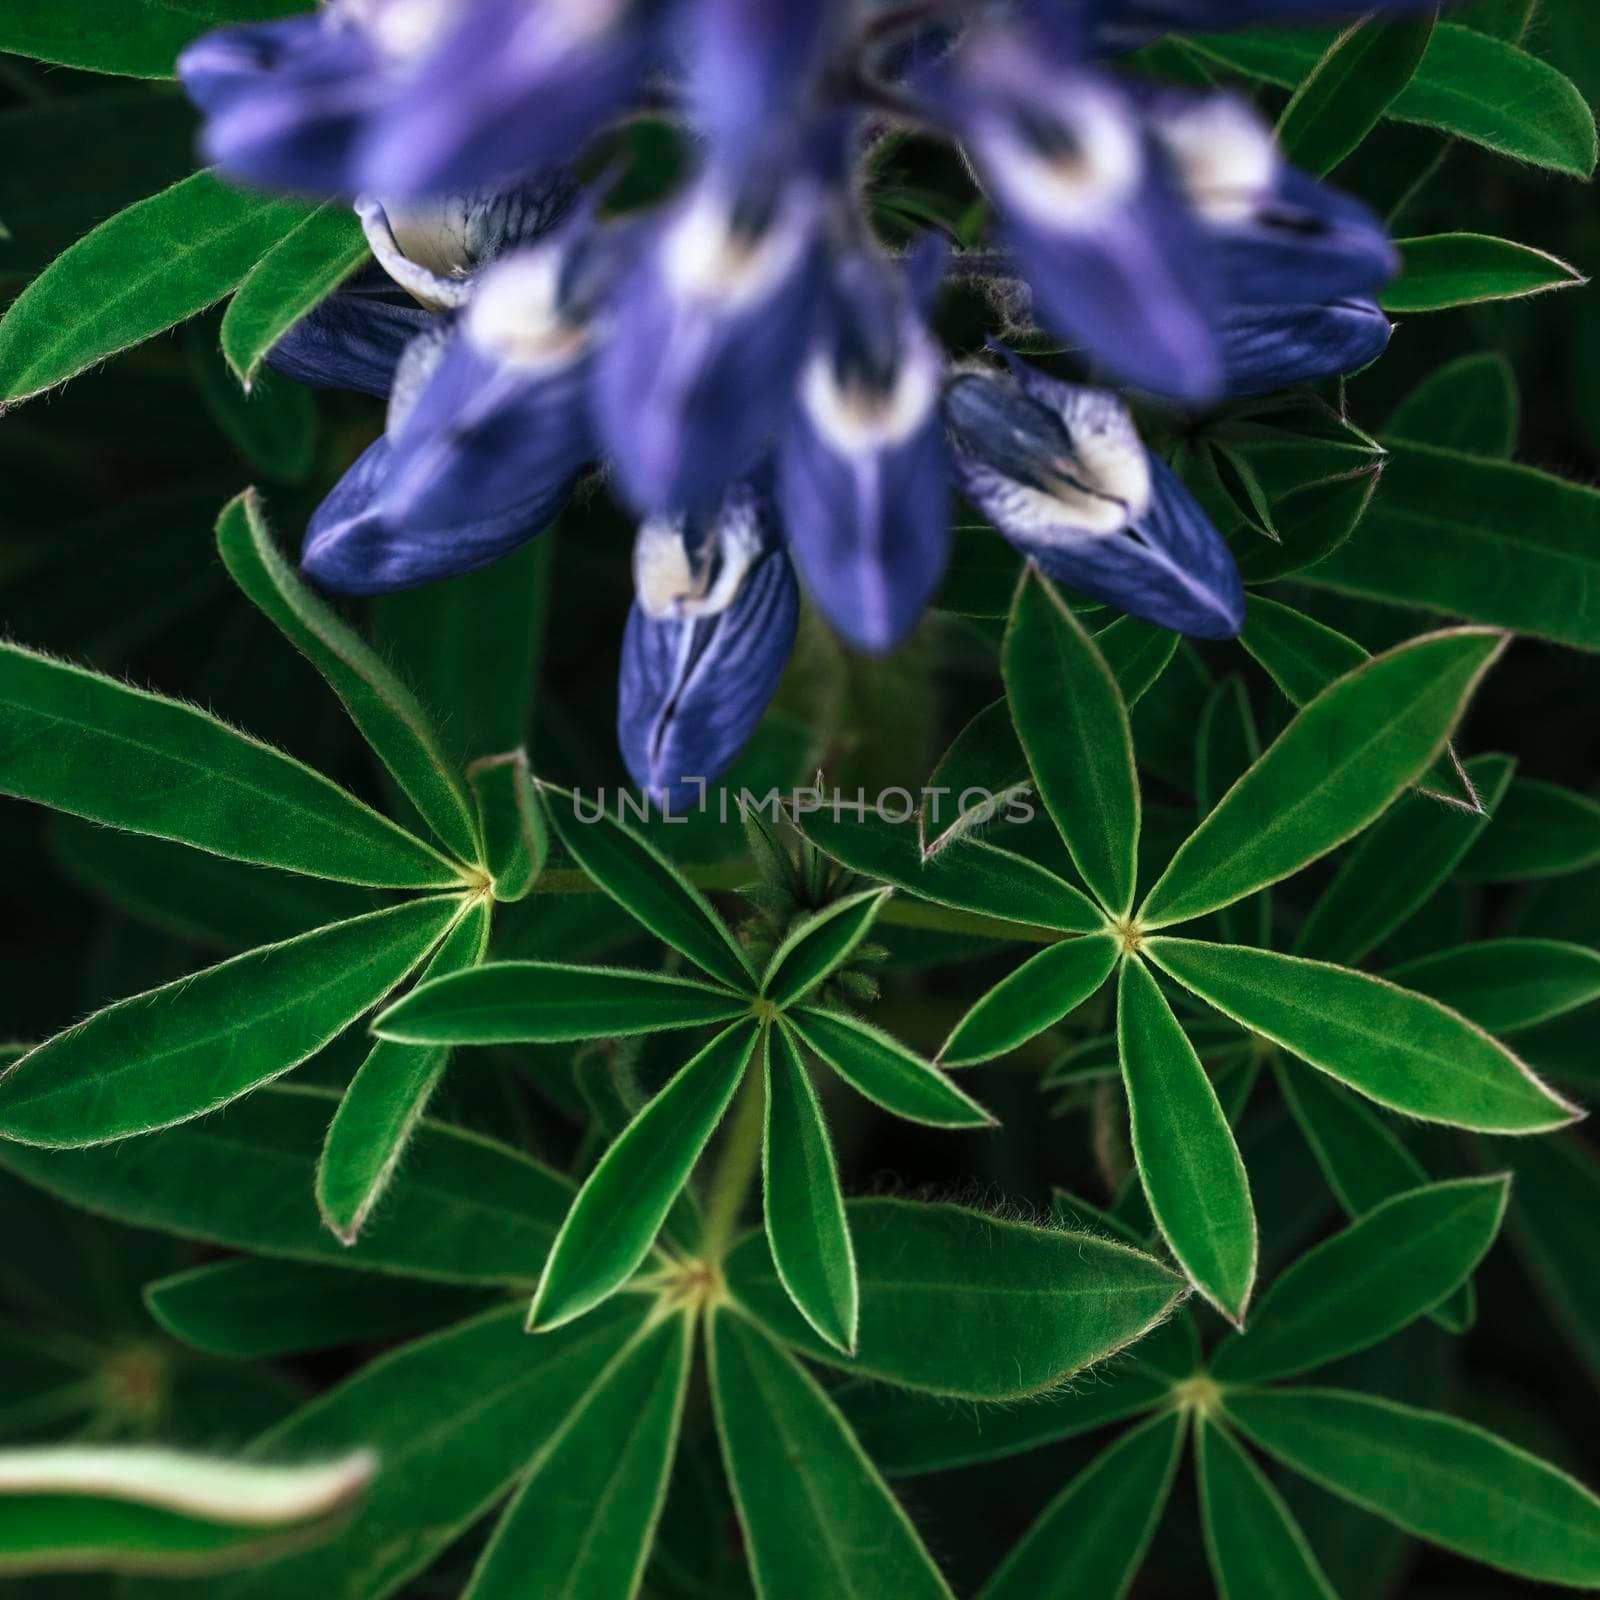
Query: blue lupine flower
[(1275, 347), (514, 85), (1126, 24), (353, 339), (1102, 234), (707, 640), (1061, 472), (864, 478), (708, 331)]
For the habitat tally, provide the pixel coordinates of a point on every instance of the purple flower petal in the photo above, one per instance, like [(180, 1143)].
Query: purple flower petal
[(1275, 347)]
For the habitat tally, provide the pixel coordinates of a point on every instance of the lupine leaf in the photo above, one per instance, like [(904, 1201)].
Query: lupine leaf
[(1363, 1161), (470, 1210), (640, 879), (1311, 520), (1397, 865), (381, 706), (1073, 726), (970, 874), (619, 1211), (202, 898), (1188, 1161), (140, 39), (191, 1046), (1348, 91), (455, 1418), (957, 1302), (1091, 1538), (1043, 990), (1255, 1547), (382, 1106), (1227, 745), (273, 429), (141, 272), (1403, 1050), (581, 1524), (1540, 831), (1441, 1479), (96, 748), (1464, 269), (817, 1518), (1506, 984), (882, 1069), (545, 1002), (510, 822), (1392, 1265), (307, 264), (141, 1509), (251, 1308), (1486, 540), (820, 945), (1336, 767), (1469, 404), (807, 1230), (1556, 1181), (908, 1433), (1468, 84)]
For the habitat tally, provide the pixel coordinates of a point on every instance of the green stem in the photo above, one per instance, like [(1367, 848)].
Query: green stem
[(737, 1162), (899, 912)]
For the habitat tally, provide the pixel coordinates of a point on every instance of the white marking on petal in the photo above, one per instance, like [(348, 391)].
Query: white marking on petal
[(515, 313), (1111, 457), (435, 290), (1225, 156), (670, 581), (705, 257), (403, 30), (858, 420)]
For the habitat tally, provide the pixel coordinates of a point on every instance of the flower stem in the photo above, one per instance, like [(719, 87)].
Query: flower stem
[(737, 1162)]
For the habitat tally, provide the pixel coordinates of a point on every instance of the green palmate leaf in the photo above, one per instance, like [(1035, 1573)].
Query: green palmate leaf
[(198, 897), (969, 874), (640, 879), (619, 1211), (1392, 1265), (956, 1302), (385, 1100), (68, 1508), (1042, 991), (1555, 1182), (1464, 269), (1442, 1480), (510, 822), (195, 1044), (470, 1210), (1540, 831), (819, 946), (1474, 538), (1349, 90), (1254, 1545), (582, 1522), (380, 705), (1506, 984), (471, 646), (1228, 744), (303, 267), (251, 1309), (817, 1519), (1091, 1538), (143, 271), (807, 1231), (1073, 726), (1362, 1160), (1311, 521), (544, 1002), (1468, 84), (1188, 1161), (1398, 865), (1303, 658), (881, 1068), (1469, 404), (1336, 767), (138, 40), (92, 746), (455, 1419), (1403, 1050)]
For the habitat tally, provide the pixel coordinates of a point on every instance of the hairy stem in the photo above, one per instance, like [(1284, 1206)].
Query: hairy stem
[(737, 1163)]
